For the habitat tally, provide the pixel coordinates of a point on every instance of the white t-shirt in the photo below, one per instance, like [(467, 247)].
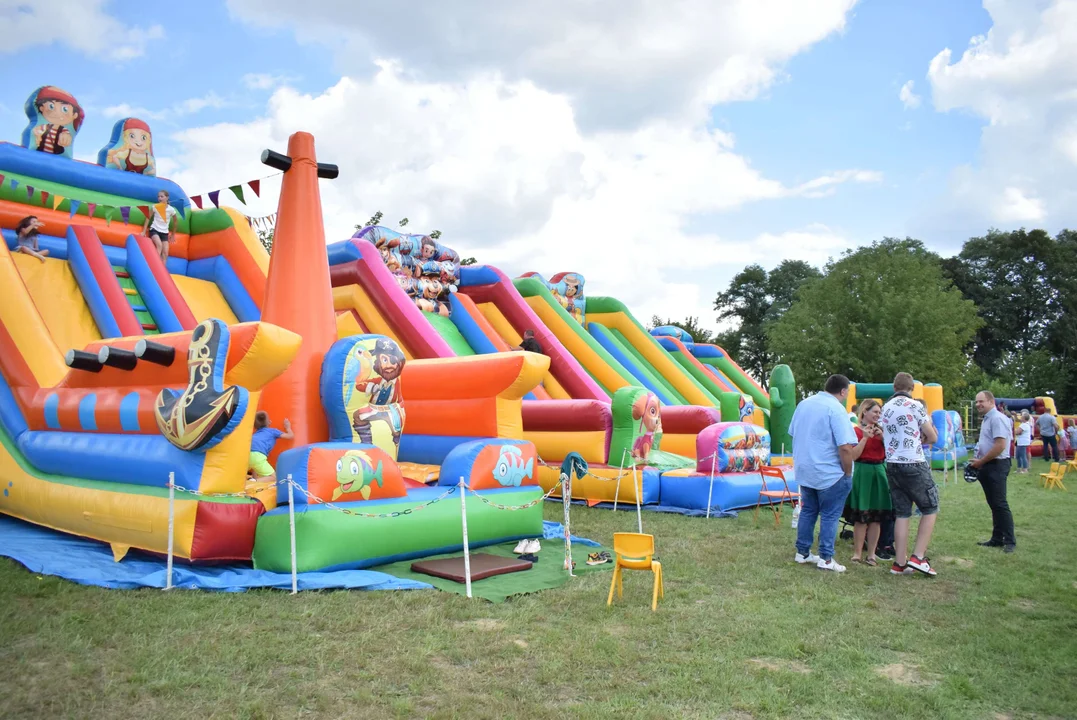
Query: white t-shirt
[(901, 420), (161, 224), (1024, 434), (1071, 431)]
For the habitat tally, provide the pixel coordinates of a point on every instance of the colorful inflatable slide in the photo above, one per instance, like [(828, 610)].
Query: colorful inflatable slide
[(119, 372), (122, 375), (411, 288)]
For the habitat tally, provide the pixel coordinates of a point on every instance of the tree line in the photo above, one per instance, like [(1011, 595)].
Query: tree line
[(1001, 314)]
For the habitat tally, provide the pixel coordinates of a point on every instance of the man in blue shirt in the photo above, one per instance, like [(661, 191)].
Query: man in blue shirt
[(993, 462), (823, 446)]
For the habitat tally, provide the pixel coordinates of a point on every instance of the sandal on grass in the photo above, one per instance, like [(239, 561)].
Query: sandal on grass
[(871, 561)]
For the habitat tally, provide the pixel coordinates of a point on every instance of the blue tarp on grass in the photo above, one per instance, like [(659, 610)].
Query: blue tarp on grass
[(89, 562)]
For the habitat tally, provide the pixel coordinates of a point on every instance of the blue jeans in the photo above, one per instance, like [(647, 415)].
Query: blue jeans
[(826, 506), (1022, 457)]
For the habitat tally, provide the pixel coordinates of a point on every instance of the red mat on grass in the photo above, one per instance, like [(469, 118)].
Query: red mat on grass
[(483, 565)]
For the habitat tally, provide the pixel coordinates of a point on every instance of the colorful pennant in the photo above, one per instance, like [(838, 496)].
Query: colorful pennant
[(125, 213), (237, 190), (255, 186), (214, 195)]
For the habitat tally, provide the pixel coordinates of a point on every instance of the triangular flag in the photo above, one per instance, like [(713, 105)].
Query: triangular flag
[(44, 198), (14, 184), (182, 209), (125, 213), (256, 185), (109, 212), (74, 206), (145, 210), (237, 190), (91, 208), (213, 196), (162, 209), (197, 200), (29, 192), (1, 178), (56, 200)]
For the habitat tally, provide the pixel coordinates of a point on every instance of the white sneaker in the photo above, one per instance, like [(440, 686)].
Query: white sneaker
[(521, 547), (533, 546), (809, 558), (832, 565)]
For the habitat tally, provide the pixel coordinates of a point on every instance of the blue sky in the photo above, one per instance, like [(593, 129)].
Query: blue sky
[(518, 130)]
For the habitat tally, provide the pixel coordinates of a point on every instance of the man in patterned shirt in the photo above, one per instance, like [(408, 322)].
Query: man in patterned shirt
[(906, 429)]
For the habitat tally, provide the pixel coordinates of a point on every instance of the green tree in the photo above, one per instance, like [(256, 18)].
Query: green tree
[(754, 300), (879, 310), (467, 260), (266, 238), (1009, 277), (690, 325)]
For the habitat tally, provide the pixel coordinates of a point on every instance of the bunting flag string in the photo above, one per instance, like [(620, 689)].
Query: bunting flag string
[(54, 200)]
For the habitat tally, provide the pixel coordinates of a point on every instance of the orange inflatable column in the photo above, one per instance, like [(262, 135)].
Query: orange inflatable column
[(299, 297)]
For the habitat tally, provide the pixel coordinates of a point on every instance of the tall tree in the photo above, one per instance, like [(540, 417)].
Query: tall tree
[(878, 310), (753, 300), (266, 238), (1008, 275)]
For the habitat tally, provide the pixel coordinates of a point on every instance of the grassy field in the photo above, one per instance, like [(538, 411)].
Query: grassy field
[(742, 633)]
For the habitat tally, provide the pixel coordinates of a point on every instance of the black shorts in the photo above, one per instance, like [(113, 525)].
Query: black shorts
[(912, 483), (157, 234)]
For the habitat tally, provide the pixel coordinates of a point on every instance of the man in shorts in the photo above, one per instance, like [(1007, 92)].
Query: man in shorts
[(906, 429), (159, 225)]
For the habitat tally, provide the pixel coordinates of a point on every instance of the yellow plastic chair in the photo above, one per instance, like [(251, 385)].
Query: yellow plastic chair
[(1045, 478), (1054, 479), (635, 551)]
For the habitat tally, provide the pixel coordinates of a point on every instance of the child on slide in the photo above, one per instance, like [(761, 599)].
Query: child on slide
[(26, 237), (262, 442), (159, 224)]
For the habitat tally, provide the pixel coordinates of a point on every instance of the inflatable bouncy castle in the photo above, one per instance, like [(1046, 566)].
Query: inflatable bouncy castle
[(120, 373)]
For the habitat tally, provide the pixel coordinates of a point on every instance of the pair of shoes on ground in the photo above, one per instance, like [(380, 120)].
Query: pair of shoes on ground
[(527, 547), (886, 553), (871, 561), (813, 559), (598, 558), (1006, 547), (915, 564)]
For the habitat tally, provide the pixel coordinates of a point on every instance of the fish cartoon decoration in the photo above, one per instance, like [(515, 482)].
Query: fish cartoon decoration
[(511, 470), (206, 411), (356, 473)]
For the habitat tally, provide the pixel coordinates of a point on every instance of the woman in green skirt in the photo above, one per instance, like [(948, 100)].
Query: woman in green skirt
[(869, 502)]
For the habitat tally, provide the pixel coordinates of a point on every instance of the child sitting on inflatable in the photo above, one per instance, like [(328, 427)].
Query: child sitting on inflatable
[(262, 442), (26, 237)]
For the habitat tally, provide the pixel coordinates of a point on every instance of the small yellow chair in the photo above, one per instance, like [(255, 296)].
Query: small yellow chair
[(1054, 478), (635, 551)]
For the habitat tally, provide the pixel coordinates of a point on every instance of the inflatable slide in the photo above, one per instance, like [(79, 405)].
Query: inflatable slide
[(122, 376)]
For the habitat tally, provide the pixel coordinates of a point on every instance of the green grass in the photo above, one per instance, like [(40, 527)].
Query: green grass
[(742, 633)]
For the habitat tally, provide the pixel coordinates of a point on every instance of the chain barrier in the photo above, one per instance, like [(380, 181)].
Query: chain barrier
[(243, 494), (533, 503)]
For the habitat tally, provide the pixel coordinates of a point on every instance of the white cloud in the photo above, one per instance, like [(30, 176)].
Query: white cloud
[(506, 172), (263, 81), (619, 61), (190, 106), (1021, 78), (908, 98), (85, 26)]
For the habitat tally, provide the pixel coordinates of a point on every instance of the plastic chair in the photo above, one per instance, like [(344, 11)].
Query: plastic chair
[(1045, 478), (1054, 478), (771, 495), (635, 551)]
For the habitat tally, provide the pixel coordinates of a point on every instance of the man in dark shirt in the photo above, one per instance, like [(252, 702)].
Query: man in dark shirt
[(529, 342)]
